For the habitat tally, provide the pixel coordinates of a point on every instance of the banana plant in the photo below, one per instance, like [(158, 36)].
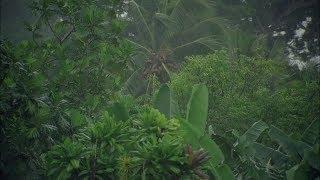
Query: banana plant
[(193, 128), (258, 159), (305, 153), (294, 159)]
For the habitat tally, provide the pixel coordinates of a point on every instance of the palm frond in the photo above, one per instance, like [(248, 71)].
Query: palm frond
[(170, 30), (209, 41), (139, 28), (139, 45)]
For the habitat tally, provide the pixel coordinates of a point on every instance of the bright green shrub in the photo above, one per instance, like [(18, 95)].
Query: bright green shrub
[(192, 130), (244, 90), (145, 146)]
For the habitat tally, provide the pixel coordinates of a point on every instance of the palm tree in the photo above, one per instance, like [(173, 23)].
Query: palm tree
[(165, 31)]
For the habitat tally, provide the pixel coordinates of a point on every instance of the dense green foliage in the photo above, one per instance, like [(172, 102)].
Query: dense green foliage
[(144, 146), (39, 105), (158, 89), (246, 89), (47, 84), (294, 158)]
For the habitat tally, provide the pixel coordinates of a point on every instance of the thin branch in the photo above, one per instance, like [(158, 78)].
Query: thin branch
[(141, 46), (189, 43)]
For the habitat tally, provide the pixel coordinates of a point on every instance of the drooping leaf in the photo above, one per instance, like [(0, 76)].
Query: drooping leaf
[(291, 147), (268, 155)]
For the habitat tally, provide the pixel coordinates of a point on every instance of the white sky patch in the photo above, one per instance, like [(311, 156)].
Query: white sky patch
[(281, 33), (297, 62), (315, 59), (294, 60), (124, 15), (290, 42), (60, 19), (275, 34), (305, 48), (306, 22), (295, 51), (299, 33)]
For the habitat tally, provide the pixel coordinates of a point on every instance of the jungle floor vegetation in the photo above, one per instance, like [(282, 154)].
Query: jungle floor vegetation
[(162, 89)]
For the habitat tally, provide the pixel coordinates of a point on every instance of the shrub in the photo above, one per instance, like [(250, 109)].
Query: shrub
[(144, 146), (247, 89)]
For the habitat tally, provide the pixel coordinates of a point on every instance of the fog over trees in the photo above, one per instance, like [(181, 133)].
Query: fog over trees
[(160, 89)]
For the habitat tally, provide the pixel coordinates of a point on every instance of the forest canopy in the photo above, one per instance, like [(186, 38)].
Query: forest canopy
[(160, 89)]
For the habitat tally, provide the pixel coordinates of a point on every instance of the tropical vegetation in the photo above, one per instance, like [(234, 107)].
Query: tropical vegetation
[(162, 89)]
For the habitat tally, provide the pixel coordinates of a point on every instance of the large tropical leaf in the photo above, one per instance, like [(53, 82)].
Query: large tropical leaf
[(215, 152), (291, 147), (269, 156), (191, 134), (252, 134), (197, 108)]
